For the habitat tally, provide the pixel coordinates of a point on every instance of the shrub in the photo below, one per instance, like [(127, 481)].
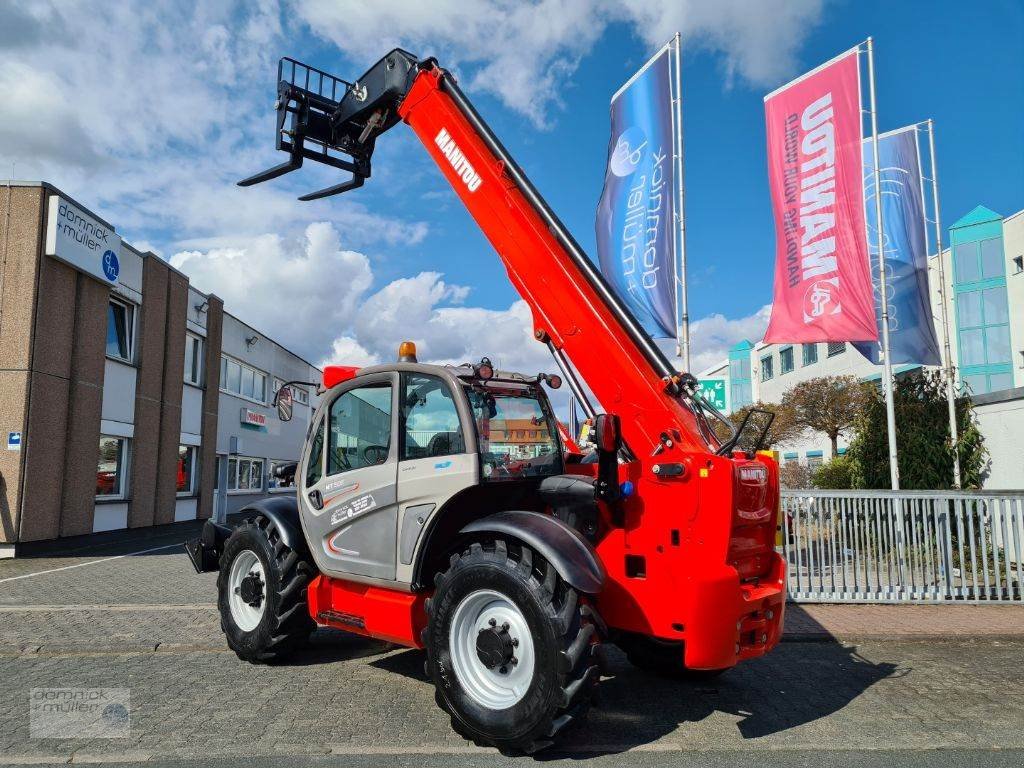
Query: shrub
[(835, 474)]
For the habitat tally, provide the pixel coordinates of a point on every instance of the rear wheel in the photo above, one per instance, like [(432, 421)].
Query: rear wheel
[(662, 657), (262, 593), (511, 647)]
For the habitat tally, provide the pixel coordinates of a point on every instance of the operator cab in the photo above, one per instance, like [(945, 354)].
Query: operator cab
[(393, 446)]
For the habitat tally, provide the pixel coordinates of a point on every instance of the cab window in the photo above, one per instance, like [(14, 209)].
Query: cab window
[(359, 428), (516, 434), (315, 464), (430, 419)]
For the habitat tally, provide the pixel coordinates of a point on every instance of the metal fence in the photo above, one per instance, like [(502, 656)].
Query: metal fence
[(904, 546)]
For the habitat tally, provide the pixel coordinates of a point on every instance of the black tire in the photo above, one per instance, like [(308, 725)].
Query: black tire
[(565, 634), (285, 623), (663, 658)]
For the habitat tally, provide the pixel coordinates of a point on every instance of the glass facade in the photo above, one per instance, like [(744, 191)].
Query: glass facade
[(981, 308), (740, 388)]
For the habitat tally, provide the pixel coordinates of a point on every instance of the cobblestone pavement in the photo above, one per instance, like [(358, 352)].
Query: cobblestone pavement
[(147, 624)]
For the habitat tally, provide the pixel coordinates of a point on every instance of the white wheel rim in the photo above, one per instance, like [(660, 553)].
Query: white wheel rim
[(246, 616), (491, 688)]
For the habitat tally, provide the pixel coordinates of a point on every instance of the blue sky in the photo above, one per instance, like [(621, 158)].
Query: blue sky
[(152, 134)]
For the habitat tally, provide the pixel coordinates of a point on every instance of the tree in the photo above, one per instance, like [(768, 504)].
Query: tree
[(783, 428), (829, 404), (922, 438)]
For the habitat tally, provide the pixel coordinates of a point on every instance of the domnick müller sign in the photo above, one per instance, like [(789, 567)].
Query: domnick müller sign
[(81, 241)]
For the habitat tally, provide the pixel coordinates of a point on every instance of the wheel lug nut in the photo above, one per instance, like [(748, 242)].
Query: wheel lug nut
[(515, 642), (514, 661), (492, 622), (504, 670), (505, 626)]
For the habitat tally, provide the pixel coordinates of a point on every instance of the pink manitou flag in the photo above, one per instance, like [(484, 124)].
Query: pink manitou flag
[(823, 288)]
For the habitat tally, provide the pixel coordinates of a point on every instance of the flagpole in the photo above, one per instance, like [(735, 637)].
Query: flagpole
[(682, 313), (890, 411), (950, 371)]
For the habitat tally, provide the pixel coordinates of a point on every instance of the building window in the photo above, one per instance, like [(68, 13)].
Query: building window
[(112, 467), (120, 329), (237, 378), (186, 470), (767, 368), (193, 359), (836, 348), (814, 461), (965, 263), (245, 474), (979, 260), (786, 360), (992, 258), (1018, 264), (359, 430), (810, 354)]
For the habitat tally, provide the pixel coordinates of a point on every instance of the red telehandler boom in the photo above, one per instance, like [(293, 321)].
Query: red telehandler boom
[(663, 544)]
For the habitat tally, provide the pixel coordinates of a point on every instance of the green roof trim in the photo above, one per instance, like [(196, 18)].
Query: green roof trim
[(980, 215)]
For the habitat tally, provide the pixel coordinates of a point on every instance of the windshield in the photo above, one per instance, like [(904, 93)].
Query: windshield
[(516, 434)]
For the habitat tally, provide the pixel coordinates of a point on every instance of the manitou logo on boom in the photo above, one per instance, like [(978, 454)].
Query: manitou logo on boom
[(817, 210), (458, 160)]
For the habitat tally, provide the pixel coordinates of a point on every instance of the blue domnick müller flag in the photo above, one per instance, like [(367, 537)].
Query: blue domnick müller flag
[(635, 218), (912, 336)]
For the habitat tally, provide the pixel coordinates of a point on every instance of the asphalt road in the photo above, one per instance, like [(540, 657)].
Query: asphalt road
[(146, 624)]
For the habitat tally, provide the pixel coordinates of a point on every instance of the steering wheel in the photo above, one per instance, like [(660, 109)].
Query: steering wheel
[(374, 454)]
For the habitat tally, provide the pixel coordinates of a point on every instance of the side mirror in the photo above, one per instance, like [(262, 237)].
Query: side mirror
[(283, 401), (608, 433)]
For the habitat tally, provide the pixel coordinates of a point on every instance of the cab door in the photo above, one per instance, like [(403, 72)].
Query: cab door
[(348, 497), (435, 461)]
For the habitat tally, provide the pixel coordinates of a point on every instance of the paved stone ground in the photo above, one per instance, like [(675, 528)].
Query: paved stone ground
[(921, 622), (146, 623)]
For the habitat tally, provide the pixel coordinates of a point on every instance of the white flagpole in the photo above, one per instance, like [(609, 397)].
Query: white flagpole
[(890, 412), (682, 314), (947, 347)]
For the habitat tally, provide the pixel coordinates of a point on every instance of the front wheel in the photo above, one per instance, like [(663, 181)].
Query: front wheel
[(511, 647), (262, 593)]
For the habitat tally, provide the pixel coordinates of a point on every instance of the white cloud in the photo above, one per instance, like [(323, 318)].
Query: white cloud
[(525, 53), (714, 335), (758, 41), (150, 112), (302, 291), (314, 296), (347, 351)]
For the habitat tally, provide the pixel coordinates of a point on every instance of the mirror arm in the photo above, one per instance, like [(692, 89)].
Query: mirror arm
[(313, 384)]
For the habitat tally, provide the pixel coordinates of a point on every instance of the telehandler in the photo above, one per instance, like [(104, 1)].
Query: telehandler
[(444, 507)]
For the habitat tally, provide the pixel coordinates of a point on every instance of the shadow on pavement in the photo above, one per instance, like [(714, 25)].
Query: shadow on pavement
[(797, 683)]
